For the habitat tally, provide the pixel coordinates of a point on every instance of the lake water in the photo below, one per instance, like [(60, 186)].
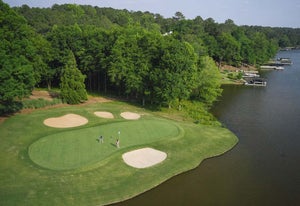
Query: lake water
[(264, 168)]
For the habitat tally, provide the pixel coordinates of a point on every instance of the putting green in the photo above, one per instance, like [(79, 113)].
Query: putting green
[(80, 147)]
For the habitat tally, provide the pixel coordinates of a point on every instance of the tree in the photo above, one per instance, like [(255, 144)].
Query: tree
[(175, 75), (16, 52), (246, 46), (208, 81), (42, 71), (131, 60), (16, 81), (228, 26), (63, 39), (211, 45), (125, 51), (179, 16), (211, 27), (72, 82), (229, 49), (260, 47)]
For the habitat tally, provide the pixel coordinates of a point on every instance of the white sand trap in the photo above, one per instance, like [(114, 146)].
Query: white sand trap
[(106, 115), (145, 157), (130, 115), (66, 121)]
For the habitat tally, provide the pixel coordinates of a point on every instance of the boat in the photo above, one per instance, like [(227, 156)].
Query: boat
[(255, 81), (285, 61), (250, 74), (275, 67), (279, 68)]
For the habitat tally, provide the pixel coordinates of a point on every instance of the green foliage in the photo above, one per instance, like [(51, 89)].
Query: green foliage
[(230, 75), (16, 79), (198, 111), (10, 107), (16, 54), (72, 82), (39, 103), (235, 75), (209, 81), (150, 66), (239, 75), (229, 49), (130, 64), (136, 54), (176, 72)]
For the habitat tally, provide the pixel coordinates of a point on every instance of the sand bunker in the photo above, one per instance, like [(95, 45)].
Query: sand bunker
[(66, 121), (106, 115), (145, 157), (130, 115)]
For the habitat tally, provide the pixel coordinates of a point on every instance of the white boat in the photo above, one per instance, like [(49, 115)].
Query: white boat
[(285, 61), (272, 67), (255, 81), (247, 74), (279, 68)]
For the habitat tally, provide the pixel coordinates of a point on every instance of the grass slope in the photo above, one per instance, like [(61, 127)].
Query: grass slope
[(97, 181)]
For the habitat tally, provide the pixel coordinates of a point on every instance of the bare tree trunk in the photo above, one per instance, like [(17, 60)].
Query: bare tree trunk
[(49, 85), (105, 83), (99, 82)]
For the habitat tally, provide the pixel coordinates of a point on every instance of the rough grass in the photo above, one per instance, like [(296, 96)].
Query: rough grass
[(104, 180)]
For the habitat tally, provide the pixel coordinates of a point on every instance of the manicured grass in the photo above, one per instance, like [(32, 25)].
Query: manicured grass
[(79, 148), (100, 176)]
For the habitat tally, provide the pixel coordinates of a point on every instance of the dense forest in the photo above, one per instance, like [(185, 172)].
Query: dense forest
[(138, 55)]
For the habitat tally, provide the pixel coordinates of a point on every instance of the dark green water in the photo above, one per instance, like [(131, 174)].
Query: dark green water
[(264, 168)]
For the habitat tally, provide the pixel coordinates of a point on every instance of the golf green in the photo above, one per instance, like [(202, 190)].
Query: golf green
[(42, 165), (81, 147)]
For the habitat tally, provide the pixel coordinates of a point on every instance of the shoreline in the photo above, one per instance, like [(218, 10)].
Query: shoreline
[(230, 74)]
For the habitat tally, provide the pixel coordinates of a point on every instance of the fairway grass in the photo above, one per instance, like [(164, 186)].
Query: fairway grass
[(40, 165)]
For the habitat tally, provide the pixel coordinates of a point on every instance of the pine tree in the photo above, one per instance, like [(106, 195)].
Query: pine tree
[(72, 82)]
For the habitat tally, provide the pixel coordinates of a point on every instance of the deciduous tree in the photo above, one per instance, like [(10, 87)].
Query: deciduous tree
[(16, 52), (208, 81)]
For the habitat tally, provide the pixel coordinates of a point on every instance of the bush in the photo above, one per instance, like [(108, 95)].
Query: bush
[(230, 75), (198, 111), (39, 103), (7, 108)]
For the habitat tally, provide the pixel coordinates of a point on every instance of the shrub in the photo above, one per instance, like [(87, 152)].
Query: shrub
[(198, 111), (11, 107), (39, 103)]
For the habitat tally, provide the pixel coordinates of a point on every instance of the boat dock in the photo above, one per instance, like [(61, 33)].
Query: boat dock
[(285, 61), (255, 81)]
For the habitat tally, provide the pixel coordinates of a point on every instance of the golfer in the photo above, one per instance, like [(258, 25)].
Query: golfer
[(118, 143), (101, 139)]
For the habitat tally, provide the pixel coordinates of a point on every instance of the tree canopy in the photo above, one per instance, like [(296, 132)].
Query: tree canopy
[(136, 54), (17, 58)]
